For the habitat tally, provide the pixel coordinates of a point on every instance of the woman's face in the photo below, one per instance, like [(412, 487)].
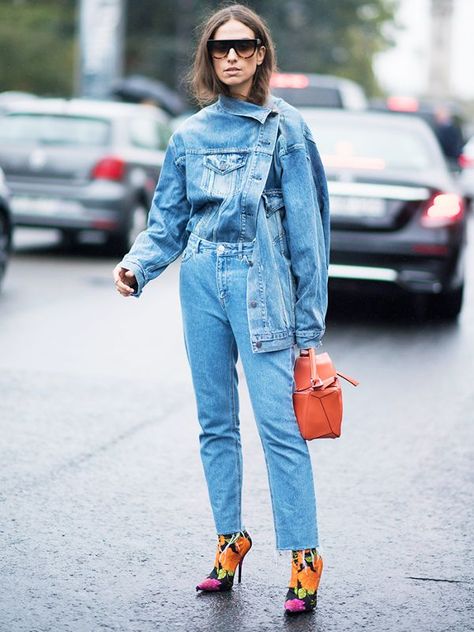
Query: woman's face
[(234, 71)]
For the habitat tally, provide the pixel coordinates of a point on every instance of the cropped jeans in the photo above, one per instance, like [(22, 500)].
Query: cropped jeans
[(213, 293)]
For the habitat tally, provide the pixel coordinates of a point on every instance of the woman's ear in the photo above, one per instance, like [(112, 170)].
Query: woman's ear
[(261, 55)]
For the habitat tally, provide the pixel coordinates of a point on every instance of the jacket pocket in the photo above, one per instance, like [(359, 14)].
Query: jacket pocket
[(274, 211), (222, 173), (273, 199)]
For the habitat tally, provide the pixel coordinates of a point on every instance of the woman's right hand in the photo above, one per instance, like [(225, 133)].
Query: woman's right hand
[(125, 280)]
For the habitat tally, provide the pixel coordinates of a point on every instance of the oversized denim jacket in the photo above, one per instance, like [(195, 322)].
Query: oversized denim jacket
[(287, 283)]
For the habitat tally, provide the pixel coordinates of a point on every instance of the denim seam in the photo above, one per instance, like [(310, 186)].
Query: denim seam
[(234, 420), (270, 484)]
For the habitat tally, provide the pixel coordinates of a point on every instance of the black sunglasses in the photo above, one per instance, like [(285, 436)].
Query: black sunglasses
[(244, 48)]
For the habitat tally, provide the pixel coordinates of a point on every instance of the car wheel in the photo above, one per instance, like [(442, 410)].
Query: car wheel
[(5, 244), (448, 305), (120, 243)]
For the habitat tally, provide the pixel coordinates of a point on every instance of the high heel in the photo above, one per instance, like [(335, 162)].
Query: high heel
[(306, 569), (231, 550), (239, 578)]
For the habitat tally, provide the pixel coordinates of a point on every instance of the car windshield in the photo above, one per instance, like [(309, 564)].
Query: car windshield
[(368, 144), (52, 129)]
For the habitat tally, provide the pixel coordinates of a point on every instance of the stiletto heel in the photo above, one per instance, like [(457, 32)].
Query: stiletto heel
[(231, 550), (306, 569)]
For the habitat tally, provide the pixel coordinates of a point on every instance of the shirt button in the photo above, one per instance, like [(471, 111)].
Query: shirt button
[(258, 344), (253, 303), (220, 248)]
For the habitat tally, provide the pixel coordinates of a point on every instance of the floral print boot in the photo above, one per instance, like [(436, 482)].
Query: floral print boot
[(231, 550), (306, 569)]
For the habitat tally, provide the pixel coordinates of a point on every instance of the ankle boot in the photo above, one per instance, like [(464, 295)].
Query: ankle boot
[(306, 569), (231, 550)]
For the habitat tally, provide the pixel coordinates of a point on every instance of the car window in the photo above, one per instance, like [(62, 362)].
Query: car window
[(52, 129), (370, 145), (148, 133), (311, 95)]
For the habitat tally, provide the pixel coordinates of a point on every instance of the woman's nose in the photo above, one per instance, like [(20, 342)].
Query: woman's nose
[(231, 54)]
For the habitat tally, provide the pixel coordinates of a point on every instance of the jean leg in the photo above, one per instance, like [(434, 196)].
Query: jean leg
[(212, 354), (269, 378)]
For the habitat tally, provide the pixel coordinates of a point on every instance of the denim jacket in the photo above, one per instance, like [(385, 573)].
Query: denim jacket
[(216, 166)]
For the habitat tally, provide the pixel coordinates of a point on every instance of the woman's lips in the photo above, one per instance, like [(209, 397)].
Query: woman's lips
[(232, 71)]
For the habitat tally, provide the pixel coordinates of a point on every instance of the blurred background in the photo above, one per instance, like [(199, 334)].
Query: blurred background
[(99, 447), (41, 42)]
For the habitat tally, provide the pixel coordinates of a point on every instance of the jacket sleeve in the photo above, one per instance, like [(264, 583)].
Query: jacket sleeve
[(306, 223), (165, 236)]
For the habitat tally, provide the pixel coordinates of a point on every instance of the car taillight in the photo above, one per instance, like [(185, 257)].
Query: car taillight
[(443, 209), (110, 168), (465, 161), (403, 104), (288, 80)]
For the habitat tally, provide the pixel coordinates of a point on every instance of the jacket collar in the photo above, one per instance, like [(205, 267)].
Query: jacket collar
[(245, 108)]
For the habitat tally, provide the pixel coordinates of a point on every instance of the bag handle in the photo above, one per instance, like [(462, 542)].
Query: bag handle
[(316, 381)]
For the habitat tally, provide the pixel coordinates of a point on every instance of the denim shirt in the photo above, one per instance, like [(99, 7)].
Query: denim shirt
[(211, 183)]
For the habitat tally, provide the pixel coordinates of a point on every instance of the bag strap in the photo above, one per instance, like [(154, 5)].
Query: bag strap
[(351, 380), (316, 381)]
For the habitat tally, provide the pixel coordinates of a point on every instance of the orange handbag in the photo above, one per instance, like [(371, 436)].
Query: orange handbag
[(317, 399)]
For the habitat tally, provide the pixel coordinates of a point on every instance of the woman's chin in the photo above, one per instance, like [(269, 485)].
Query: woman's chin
[(233, 81), (236, 85)]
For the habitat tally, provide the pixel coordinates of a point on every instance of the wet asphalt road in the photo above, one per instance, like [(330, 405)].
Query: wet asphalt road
[(104, 519)]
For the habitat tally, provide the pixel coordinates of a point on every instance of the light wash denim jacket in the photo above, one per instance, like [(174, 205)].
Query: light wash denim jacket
[(217, 165)]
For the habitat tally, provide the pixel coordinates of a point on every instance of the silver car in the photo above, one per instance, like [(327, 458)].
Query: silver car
[(78, 165)]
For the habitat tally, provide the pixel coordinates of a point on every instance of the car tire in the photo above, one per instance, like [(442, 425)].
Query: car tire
[(448, 305), (120, 243), (5, 245)]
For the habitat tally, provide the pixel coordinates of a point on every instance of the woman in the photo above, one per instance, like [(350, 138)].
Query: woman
[(242, 194)]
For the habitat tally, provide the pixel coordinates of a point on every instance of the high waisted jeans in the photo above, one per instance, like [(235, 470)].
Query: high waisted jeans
[(213, 282)]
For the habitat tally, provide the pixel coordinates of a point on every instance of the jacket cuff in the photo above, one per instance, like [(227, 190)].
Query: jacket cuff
[(309, 339), (135, 267)]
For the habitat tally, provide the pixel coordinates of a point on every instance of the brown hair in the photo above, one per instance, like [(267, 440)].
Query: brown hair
[(202, 80)]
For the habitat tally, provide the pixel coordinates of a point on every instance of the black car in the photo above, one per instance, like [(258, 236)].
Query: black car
[(397, 216), (311, 89), (78, 165), (5, 228)]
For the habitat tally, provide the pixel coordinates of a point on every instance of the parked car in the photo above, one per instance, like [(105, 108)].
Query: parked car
[(11, 97), (444, 117), (303, 89), (5, 227), (397, 216), (466, 178), (80, 165)]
